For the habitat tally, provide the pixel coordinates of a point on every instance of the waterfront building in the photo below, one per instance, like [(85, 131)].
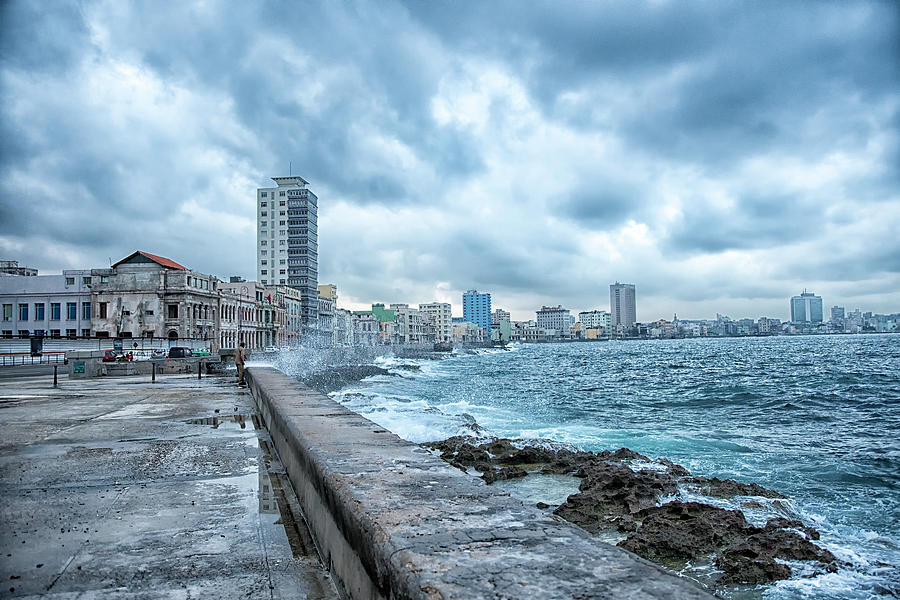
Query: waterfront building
[(441, 318), (413, 327), (499, 316), (289, 309), (837, 314), (555, 321), (366, 328), (287, 247), (806, 308), (466, 332), (477, 309), (622, 307), (149, 296), (245, 302), (595, 319), (11, 267), (46, 305), (343, 328), (767, 326), (325, 327)]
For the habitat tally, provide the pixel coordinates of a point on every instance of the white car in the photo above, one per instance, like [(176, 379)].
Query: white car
[(271, 349)]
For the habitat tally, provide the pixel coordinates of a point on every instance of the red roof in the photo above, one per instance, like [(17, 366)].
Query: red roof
[(160, 260)]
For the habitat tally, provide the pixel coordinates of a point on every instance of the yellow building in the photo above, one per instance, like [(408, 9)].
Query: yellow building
[(328, 291)]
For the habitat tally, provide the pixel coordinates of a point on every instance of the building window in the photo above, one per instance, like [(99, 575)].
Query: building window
[(23, 312), (282, 261), (281, 203), (265, 194), (23, 333), (104, 279), (86, 310), (281, 272), (149, 313), (54, 311), (281, 193), (71, 311), (102, 334), (102, 311), (173, 311), (7, 312), (85, 333), (263, 243), (281, 222), (7, 333), (71, 333), (263, 262), (86, 280), (38, 311), (54, 333), (264, 272), (70, 281)]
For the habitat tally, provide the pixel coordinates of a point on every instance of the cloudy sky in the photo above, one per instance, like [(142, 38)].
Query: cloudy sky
[(722, 156)]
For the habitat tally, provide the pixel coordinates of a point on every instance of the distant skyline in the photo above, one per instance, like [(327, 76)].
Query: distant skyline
[(722, 157)]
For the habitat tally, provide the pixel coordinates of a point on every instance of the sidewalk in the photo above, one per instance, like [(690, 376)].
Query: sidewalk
[(120, 488)]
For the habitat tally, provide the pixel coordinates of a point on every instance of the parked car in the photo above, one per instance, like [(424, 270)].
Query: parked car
[(200, 352), (271, 349), (158, 353), (110, 356), (179, 352)]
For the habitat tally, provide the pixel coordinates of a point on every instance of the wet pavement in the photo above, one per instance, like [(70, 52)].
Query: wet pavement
[(121, 488)]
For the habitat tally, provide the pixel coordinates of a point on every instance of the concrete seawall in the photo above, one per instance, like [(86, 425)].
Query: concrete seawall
[(393, 521)]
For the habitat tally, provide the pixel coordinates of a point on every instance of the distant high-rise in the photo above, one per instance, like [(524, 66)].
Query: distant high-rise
[(287, 247), (837, 313), (806, 308), (477, 309), (623, 314)]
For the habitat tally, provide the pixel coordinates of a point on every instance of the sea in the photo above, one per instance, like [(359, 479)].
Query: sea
[(816, 418)]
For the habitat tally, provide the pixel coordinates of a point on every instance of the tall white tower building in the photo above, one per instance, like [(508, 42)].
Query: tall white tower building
[(287, 249)]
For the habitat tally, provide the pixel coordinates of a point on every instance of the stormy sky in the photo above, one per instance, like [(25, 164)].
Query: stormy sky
[(722, 156)]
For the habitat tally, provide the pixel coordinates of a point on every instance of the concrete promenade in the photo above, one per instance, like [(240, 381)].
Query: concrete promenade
[(119, 488)]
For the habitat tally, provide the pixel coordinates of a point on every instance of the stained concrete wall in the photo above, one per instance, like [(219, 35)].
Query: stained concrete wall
[(393, 521)]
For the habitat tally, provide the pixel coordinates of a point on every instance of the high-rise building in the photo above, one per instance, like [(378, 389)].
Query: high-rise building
[(477, 309), (287, 247), (623, 314), (441, 317), (837, 313), (806, 308)]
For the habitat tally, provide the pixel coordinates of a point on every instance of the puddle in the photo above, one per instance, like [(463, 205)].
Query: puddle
[(549, 489), (228, 421)]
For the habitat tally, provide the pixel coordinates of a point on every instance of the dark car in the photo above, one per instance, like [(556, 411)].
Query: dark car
[(179, 352), (110, 356)]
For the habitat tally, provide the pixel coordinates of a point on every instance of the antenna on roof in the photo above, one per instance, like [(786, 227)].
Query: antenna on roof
[(290, 167)]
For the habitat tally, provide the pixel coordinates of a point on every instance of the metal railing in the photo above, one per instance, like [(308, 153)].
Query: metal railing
[(13, 359)]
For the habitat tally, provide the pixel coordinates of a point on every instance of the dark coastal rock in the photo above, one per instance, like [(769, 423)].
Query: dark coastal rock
[(729, 488), (685, 530), (746, 554), (613, 495), (611, 491), (503, 473)]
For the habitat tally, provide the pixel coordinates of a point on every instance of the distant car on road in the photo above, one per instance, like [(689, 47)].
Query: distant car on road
[(110, 356), (179, 352), (200, 352), (271, 349), (159, 353)]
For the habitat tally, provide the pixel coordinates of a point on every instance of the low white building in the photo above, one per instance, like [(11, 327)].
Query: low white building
[(556, 319), (46, 305)]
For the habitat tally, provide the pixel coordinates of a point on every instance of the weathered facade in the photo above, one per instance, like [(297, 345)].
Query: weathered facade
[(148, 296)]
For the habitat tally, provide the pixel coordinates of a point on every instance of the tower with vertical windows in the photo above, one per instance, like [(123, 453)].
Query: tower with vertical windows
[(287, 248), (477, 309), (622, 310)]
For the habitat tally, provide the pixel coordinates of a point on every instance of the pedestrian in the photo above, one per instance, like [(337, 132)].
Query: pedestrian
[(239, 358)]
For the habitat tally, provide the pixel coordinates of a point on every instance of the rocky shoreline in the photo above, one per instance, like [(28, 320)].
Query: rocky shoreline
[(631, 495)]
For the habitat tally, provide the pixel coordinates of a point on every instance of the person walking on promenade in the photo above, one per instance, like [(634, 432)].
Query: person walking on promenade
[(239, 358)]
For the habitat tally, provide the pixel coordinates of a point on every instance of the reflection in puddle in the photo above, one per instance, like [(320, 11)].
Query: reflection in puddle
[(549, 489), (232, 421)]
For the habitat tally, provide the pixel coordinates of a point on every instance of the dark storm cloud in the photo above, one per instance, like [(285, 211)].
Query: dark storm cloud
[(752, 222), (563, 125)]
